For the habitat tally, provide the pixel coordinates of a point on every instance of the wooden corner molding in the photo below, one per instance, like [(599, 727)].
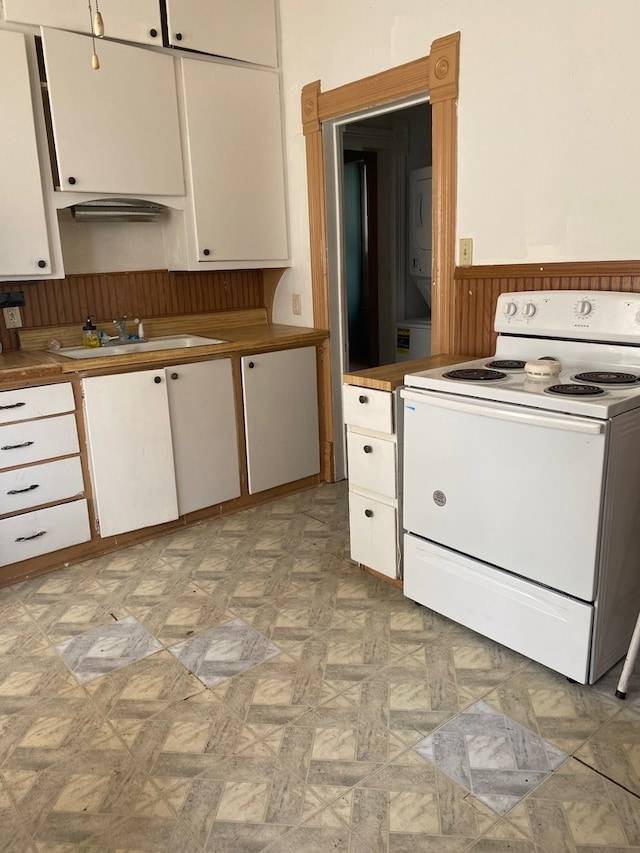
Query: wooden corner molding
[(443, 68), (310, 115)]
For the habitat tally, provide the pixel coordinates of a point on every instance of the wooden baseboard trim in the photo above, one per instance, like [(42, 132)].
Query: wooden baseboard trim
[(393, 581)]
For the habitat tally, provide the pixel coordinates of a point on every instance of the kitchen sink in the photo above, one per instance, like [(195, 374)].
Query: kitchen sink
[(160, 343)]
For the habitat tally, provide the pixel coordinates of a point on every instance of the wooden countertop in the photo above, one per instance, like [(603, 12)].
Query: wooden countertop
[(388, 377), (34, 364)]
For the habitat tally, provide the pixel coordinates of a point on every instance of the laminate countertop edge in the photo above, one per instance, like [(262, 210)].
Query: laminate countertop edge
[(31, 365), (388, 377)]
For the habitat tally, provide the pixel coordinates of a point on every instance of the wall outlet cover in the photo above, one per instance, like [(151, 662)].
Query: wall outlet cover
[(12, 318)]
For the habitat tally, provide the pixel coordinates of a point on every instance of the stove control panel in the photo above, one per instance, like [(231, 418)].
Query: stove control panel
[(578, 314)]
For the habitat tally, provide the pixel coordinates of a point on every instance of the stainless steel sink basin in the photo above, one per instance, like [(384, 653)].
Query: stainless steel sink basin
[(159, 343)]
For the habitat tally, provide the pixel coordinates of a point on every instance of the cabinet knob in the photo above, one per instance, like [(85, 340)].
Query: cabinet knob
[(174, 375), (252, 364), (157, 380), (153, 32), (178, 36), (362, 399), (72, 180), (368, 513), (367, 448), (42, 264), (206, 252)]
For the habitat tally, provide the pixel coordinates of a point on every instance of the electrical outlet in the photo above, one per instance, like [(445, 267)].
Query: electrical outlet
[(296, 303), (12, 318), (466, 251)]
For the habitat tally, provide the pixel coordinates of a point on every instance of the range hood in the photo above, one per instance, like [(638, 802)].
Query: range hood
[(117, 210)]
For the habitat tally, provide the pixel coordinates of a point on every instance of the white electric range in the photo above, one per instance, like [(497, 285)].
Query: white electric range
[(522, 481)]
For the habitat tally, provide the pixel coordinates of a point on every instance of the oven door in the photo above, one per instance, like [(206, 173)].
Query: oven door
[(517, 488)]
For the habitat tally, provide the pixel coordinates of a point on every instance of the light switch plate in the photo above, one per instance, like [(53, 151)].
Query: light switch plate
[(466, 251)]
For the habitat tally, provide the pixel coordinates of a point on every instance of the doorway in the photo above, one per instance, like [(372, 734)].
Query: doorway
[(376, 302), (433, 77)]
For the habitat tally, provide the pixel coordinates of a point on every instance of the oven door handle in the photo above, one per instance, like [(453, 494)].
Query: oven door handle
[(526, 417)]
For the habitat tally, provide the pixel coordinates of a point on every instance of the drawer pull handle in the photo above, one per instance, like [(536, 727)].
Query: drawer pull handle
[(16, 446), (363, 399), (368, 513), (21, 491), (367, 448), (174, 375), (13, 406), (33, 536)]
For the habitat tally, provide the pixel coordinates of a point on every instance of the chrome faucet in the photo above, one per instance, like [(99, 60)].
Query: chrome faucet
[(121, 326)]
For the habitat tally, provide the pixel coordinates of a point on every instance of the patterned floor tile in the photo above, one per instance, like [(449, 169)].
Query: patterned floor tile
[(409, 805), (614, 750), (492, 756), (576, 809), (224, 651), (144, 688), (550, 705), (107, 648)]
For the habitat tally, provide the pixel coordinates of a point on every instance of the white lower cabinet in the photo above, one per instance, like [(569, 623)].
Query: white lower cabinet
[(40, 471), (373, 456), (154, 445), (43, 530), (280, 398), (204, 431)]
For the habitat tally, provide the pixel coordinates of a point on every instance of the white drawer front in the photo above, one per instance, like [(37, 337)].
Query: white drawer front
[(44, 530), (32, 441), (364, 407), (22, 488), (373, 529), (26, 403), (372, 463)]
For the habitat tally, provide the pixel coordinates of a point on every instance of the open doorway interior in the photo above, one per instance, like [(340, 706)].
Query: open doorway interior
[(384, 242), (379, 242)]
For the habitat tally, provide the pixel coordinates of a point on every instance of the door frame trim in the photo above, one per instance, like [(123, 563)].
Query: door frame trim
[(436, 75)]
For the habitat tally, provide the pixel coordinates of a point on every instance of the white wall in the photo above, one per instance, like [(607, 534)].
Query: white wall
[(548, 118)]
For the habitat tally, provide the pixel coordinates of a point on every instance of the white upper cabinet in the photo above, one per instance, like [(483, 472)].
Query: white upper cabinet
[(137, 21), (236, 211), (23, 251), (116, 130), (238, 29)]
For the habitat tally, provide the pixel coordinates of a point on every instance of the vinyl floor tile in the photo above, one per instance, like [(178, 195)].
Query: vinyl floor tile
[(492, 756), (309, 750)]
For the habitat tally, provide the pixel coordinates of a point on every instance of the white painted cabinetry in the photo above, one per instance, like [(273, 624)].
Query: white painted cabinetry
[(280, 399), (373, 457), (24, 251), (238, 29), (161, 443), (236, 209), (41, 505), (116, 130), (137, 21), (204, 432)]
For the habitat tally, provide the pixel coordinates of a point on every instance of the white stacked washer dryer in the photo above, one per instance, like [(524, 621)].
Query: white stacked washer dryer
[(522, 481)]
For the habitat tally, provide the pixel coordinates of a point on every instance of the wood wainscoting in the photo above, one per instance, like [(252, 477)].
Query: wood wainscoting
[(144, 294), (476, 290)]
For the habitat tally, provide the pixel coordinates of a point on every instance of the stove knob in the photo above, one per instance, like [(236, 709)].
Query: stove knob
[(510, 309), (584, 308), (529, 310)]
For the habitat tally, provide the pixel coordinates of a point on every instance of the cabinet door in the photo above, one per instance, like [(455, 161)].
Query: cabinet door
[(116, 129), (138, 21), (236, 161), (205, 434), (24, 240), (280, 399), (239, 29), (130, 451)]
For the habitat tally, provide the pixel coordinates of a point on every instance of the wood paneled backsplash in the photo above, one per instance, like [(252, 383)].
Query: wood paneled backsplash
[(151, 293), (477, 290)]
